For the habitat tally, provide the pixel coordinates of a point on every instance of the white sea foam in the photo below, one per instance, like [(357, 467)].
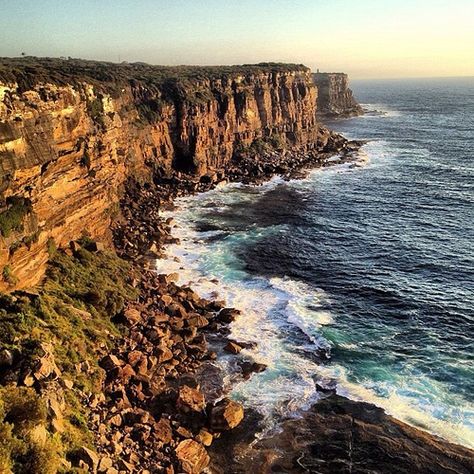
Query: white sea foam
[(274, 308)]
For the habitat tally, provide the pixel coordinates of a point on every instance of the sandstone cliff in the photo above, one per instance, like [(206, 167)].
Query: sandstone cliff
[(72, 131), (334, 96)]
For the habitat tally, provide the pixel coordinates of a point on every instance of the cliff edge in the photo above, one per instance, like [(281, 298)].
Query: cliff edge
[(72, 132), (335, 99)]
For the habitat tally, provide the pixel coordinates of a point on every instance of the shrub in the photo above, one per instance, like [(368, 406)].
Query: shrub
[(31, 239), (12, 218), (96, 109), (22, 408), (8, 276), (51, 246)]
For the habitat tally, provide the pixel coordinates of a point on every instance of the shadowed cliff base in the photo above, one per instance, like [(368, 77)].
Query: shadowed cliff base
[(73, 131)]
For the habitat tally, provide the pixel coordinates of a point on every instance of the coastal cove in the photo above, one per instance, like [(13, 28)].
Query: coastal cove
[(255, 247), (201, 276)]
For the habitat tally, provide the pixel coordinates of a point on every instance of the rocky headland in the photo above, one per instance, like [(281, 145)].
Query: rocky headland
[(105, 365), (335, 98)]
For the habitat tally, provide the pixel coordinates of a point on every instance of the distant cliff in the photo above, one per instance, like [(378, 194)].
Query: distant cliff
[(72, 131), (334, 96)]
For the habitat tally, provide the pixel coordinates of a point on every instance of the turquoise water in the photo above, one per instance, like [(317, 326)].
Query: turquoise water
[(359, 277)]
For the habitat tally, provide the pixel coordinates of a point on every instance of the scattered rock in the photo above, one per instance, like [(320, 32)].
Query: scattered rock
[(110, 362), (132, 316), (192, 456), (190, 399), (251, 367), (232, 347), (89, 457), (105, 464), (162, 431), (204, 437), (228, 315), (226, 415)]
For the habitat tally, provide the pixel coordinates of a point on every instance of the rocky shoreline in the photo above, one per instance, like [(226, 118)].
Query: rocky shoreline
[(184, 406), (148, 395), (106, 366), (154, 412)]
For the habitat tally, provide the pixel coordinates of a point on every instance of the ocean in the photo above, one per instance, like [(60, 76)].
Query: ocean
[(360, 277)]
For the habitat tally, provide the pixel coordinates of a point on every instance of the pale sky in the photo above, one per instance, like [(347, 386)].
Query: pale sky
[(365, 38)]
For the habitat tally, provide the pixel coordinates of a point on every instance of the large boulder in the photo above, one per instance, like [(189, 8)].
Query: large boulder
[(192, 456), (226, 415), (88, 458), (228, 315), (190, 400)]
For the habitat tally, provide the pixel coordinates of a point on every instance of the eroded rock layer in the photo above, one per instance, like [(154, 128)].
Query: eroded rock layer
[(72, 131), (334, 96)]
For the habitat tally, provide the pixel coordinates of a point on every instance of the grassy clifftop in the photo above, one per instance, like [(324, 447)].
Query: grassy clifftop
[(29, 71)]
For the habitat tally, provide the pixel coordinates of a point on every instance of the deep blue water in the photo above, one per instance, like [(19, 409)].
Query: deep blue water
[(361, 276)]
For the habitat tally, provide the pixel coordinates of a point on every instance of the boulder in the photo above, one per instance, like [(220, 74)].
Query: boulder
[(232, 347), (190, 400), (89, 457), (197, 321), (251, 367), (167, 299), (105, 464), (46, 365), (228, 315), (132, 316), (110, 362), (162, 431), (134, 357), (192, 456), (204, 437), (226, 415)]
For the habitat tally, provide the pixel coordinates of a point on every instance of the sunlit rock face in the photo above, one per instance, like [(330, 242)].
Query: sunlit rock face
[(71, 132), (334, 96)]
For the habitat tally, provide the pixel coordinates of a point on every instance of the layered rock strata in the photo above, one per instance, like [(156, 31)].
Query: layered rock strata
[(72, 131)]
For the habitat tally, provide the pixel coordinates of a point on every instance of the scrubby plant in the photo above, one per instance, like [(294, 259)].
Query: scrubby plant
[(22, 408), (8, 276), (95, 108), (74, 310), (21, 412), (51, 246), (11, 219), (31, 239)]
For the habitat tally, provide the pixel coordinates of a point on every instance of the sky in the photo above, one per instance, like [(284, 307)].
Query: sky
[(365, 38)]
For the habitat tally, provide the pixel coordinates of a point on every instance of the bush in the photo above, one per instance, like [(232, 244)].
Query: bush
[(22, 410), (8, 276), (95, 108), (51, 246), (12, 218), (31, 239)]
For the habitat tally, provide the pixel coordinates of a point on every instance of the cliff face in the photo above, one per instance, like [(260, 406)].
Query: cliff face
[(334, 96), (71, 133)]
